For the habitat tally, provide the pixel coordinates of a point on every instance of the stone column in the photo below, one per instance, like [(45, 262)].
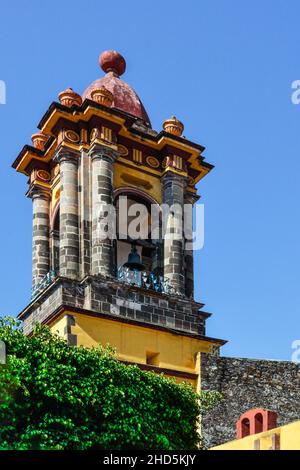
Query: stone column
[(173, 186), (102, 200), (85, 175), (40, 235), (68, 218), (189, 198)]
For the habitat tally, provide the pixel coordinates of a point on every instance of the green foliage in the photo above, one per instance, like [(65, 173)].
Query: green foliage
[(53, 396)]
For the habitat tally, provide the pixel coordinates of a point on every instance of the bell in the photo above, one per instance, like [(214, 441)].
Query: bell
[(134, 261)]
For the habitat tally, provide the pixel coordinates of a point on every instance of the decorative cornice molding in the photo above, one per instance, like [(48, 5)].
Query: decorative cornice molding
[(65, 153), (171, 176), (99, 151), (191, 198), (38, 192)]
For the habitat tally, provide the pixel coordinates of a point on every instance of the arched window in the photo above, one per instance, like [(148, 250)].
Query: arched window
[(134, 239), (258, 422), (56, 221), (245, 427), (54, 240)]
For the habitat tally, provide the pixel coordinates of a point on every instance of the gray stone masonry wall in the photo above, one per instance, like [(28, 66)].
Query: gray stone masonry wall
[(39, 311), (69, 226), (40, 236), (173, 186), (117, 300), (246, 384)]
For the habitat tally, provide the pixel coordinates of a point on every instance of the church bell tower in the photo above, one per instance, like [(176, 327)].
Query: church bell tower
[(94, 152)]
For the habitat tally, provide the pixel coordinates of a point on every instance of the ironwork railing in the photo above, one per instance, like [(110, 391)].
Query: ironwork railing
[(43, 283), (149, 281)]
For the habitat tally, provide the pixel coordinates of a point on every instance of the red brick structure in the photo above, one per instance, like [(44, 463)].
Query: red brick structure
[(255, 421)]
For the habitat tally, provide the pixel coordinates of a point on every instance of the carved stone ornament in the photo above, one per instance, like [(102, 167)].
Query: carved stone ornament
[(39, 140), (72, 136), (102, 96), (122, 150), (69, 98), (152, 161), (43, 175), (173, 126), (95, 134)]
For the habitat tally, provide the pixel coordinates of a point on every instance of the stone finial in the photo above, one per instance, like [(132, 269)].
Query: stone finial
[(68, 98), (102, 96), (39, 140), (173, 126), (112, 61)]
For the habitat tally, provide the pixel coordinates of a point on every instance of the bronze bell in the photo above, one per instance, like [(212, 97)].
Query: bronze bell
[(134, 261)]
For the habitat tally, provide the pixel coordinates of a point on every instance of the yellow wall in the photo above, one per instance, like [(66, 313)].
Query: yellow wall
[(176, 352), (289, 436), (59, 326), (140, 180)]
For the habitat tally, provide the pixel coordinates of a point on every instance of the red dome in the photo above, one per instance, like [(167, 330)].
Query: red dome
[(125, 98)]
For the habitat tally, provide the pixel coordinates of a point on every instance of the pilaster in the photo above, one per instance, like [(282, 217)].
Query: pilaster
[(40, 234), (69, 223), (102, 204), (173, 187)]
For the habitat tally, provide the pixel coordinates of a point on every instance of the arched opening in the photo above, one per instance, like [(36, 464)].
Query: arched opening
[(245, 427), (56, 221), (258, 423), (54, 236), (134, 221)]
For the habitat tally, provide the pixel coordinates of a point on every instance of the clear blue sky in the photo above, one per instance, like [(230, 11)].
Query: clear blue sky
[(225, 68)]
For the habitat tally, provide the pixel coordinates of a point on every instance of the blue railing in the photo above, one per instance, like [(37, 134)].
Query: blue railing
[(43, 283), (149, 281)]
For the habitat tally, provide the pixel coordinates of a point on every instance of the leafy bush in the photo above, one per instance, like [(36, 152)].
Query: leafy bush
[(53, 396)]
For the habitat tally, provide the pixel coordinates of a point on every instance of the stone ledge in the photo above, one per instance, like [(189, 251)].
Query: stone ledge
[(111, 297)]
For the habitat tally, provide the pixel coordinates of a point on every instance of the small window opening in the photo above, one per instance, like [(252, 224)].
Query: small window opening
[(245, 427), (152, 358), (258, 423)]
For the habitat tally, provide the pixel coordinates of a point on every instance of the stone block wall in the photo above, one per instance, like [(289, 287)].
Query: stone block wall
[(245, 384), (116, 299), (39, 311), (135, 304)]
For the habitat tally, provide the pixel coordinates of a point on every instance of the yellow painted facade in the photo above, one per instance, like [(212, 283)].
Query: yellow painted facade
[(125, 176), (287, 436), (135, 344)]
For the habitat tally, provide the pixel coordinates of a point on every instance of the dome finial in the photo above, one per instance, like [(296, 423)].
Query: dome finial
[(112, 61), (173, 126), (69, 98)]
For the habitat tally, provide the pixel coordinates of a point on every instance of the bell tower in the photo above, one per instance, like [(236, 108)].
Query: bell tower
[(98, 176)]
